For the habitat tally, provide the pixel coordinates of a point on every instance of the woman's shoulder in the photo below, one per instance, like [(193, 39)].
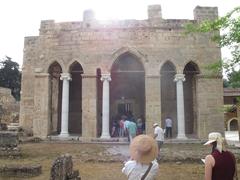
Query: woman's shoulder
[(130, 163)]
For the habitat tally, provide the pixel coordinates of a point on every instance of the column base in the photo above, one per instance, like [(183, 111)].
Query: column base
[(63, 135), (105, 136), (181, 136)]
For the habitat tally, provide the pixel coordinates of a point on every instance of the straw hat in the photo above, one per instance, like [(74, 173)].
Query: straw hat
[(216, 136), (155, 124), (143, 149)]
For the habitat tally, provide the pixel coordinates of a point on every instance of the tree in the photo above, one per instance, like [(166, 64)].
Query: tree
[(10, 76), (229, 25), (234, 79)]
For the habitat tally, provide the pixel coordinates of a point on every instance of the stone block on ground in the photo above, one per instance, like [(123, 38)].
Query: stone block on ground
[(20, 170), (3, 127), (62, 169), (8, 139), (9, 144)]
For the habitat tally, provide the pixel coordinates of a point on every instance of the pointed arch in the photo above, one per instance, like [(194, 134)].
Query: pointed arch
[(51, 63), (127, 88), (168, 67), (55, 91), (74, 62), (127, 62), (190, 71), (168, 94), (191, 67), (75, 98), (54, 68), (128, 51), (76, 67)]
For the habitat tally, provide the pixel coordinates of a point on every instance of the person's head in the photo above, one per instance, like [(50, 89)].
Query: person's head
[(216, 140), (155, 125), (143, 149)]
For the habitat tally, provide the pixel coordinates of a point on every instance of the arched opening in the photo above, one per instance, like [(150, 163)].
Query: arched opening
[(75, 99), (233, 125), (189, 88), (55, 96), (168, 95), (99, 102), (127, 89)]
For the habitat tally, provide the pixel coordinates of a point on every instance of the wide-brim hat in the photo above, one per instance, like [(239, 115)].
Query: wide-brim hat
[(143, 149), (155, 124), (216, 137)]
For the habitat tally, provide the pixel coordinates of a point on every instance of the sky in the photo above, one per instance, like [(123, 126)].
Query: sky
[(21, 18)]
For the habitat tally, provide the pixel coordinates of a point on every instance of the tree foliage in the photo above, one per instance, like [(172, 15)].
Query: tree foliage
[(229, 25), (10, 76)]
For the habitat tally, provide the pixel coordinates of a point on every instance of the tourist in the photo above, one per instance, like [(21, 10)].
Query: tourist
[(168, 126), (132, 130), (159, 137), (142, 164), (126, 123), (121, 127), (220, 164), (139, 126), (114, 129)]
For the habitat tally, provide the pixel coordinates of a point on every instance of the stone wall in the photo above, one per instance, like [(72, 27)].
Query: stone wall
[(9, 107), (95, 44)]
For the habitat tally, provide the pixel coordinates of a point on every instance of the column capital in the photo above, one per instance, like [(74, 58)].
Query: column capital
[(66, 76), (179, 77), (106, 77)]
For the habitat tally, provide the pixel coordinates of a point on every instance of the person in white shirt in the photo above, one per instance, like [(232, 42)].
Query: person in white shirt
[(168, 125), (143, 164), (158, 136)]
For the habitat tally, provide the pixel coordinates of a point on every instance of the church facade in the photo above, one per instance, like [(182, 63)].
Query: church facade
[(78, 77)]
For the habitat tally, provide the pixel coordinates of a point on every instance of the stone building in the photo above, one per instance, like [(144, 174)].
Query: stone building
[(231, 114), (78, 77)]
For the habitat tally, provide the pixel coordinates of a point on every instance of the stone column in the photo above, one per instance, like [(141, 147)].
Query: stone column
[(65, 104), (179, 78), (105, 106)]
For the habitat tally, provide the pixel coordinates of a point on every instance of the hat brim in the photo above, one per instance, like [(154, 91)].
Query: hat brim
[(209, 142), (146, 157), (154, 125)]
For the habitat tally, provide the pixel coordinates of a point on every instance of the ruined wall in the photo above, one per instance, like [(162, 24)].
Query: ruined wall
[(9, 111), (96, 44)]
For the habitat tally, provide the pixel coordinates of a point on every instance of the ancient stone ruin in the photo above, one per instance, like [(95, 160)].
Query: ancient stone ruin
[(9, 144), (62, 169), (20, 170), (9, 107)]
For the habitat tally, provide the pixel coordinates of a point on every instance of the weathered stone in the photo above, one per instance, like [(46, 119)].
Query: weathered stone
[(20, 170), (9, 107), (62, 169), (8, 144), (8, 139), (3, 127)]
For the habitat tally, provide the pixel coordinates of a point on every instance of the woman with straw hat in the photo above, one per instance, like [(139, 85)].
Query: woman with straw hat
[(143, 164), (220, 164)]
